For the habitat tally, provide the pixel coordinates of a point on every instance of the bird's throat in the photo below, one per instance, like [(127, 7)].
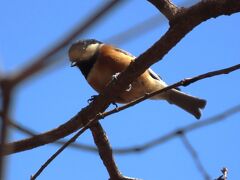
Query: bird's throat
[(86, 66)]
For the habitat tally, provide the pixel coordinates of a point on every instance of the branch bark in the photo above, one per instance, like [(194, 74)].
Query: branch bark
[(6, 88), (166, 7)]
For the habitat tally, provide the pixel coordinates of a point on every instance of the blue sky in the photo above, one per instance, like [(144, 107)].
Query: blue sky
[(49, 99)]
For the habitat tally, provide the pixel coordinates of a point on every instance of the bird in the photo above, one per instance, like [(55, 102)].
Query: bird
[(100, 62)]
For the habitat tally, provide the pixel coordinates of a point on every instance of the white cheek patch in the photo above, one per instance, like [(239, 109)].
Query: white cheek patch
[(90, 51)]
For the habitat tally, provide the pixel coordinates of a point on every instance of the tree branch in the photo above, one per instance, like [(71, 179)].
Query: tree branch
[(185, 129), (76, 122), (217, 118), (166, 7), (148, 145), (194, 156), (6, 89)]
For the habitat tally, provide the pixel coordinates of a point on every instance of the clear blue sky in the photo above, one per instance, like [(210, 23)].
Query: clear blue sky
[(28, 28)]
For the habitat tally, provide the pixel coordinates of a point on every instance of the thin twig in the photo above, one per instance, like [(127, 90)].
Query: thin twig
[(59, 151), (137, 149), (166, 7), (194, 156), (184, 82), (73, 139), (217, 118), (212, 120), (105, 150)]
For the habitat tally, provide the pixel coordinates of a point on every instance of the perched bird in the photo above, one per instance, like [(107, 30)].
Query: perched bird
[(99, 62)]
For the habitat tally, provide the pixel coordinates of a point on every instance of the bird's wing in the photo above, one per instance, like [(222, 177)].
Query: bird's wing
[(151, 72), (125, 52), (154, 75), (157, 77)]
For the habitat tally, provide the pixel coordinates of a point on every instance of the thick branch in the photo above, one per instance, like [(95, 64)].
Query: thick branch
[(194, 15), (48, 137), (166, 7), (105, 151), (6, 89)]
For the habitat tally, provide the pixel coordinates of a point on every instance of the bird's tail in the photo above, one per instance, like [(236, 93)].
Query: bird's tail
[(191, 104)]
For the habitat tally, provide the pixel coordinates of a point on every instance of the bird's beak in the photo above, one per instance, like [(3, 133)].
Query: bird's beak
[(73, 64)]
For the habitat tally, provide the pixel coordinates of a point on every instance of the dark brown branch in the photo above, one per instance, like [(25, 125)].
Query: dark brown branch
[(184, 82), (166, 7), (31, 132), (59, 151), (141, 148), (103, 151), (58, 133), (52, 55), (194, 156), (217, 118), (6, 90), (173, 134), (196, 14)]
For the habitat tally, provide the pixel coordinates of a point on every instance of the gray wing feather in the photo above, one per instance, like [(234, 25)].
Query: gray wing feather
[(154, 75)]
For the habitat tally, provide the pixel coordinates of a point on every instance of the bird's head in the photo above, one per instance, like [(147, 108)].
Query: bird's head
[(83, 50)]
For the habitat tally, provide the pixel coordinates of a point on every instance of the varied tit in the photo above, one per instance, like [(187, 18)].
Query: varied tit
[(99, 62)]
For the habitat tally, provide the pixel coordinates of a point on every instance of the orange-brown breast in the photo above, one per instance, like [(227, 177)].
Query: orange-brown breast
[(110, 62)]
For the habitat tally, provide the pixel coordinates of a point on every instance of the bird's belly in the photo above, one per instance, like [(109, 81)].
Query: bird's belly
[(142, 85), (137, 89)]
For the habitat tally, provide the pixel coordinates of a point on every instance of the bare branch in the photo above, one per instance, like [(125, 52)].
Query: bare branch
[(105, 151), (195, 156), (6, 89), (166, 7), (217, 118), (212, 120), (75, 123), (116, 174)]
